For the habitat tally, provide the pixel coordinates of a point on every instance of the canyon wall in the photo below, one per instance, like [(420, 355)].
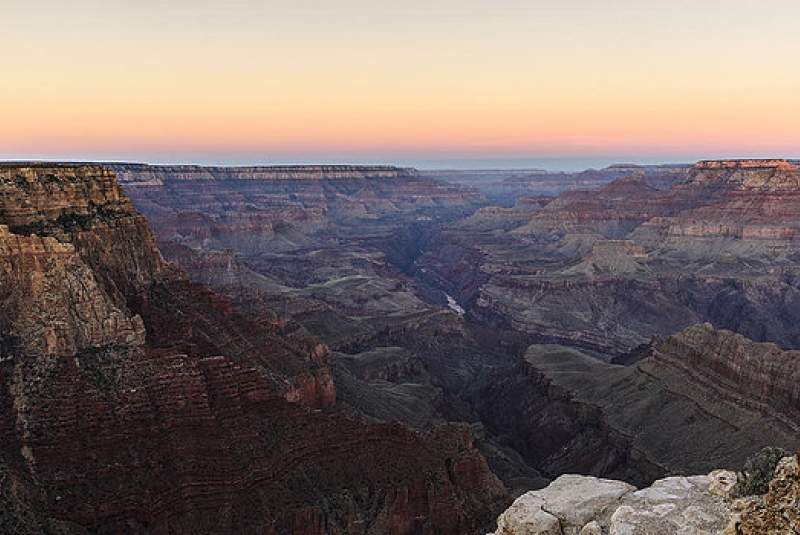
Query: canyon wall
[(694, 401), (134, 400), (608, 269), (604, 270), (261, 209)]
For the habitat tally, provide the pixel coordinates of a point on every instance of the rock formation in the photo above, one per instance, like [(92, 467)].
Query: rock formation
[(610, 268), (778, 511), (585, 505), (504, 187), (757, 374), (261, 209), (358, 260), (701, 399), (134, 400)]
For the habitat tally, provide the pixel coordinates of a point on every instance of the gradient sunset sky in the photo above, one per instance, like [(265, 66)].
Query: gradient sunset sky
[(359, 80)]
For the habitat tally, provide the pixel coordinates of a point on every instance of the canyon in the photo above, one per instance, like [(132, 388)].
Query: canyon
[(607, 269), (135, 400), (337, 349)]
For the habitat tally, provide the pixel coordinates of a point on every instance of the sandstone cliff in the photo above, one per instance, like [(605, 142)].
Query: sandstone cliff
[(133, 400)]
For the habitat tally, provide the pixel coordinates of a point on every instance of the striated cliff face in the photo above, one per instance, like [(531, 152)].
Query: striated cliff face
[(608, 269), (262, 209), (698, 400), (133, 400), (750, 201), (152, 174), (759, 374)]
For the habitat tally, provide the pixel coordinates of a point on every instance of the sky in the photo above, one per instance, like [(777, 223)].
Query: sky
[(432, 82)]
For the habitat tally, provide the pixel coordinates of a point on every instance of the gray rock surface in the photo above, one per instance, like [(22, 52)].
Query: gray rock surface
[(585, 505)]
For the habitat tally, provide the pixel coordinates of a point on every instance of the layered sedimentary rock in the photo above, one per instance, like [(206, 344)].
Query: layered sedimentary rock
[(608, 269), (758, 374), (504, 187), (338, 233), (226, 205), (700, 399), (133, 400), (604, 270)]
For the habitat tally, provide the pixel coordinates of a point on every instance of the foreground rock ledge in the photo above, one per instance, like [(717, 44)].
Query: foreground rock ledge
[(585, 505)]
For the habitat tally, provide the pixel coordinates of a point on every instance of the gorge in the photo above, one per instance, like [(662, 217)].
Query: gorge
[(343, 349)]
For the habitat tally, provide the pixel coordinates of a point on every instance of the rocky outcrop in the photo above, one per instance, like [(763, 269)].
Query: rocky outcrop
[(134, 400), (778, 511), (758, 374), (585, 505)]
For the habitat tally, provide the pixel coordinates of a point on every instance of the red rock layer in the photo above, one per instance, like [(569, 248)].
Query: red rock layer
[(753, 201), (757, 374), (133, 400), (244, 207), (608, 269)]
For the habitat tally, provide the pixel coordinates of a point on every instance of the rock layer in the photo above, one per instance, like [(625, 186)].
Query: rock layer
[(699, 400), (133, 400), (260, 209), (608, 269), (758, 374)]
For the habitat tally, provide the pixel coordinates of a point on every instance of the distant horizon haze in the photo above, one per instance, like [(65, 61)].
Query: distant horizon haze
[(551, 164), (437, 80)]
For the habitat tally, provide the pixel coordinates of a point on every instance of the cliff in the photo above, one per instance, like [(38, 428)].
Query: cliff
[(130, 173), (133, 400), (757, 374), (607, 269), (262, 209), (700, 399)]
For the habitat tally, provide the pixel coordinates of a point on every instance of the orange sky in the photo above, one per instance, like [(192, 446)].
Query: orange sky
[(246, 80)]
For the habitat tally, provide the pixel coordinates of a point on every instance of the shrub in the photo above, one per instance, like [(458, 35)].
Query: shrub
[(759, 469)]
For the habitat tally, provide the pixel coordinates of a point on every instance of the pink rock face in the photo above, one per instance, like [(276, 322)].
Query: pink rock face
[(133, 400)]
